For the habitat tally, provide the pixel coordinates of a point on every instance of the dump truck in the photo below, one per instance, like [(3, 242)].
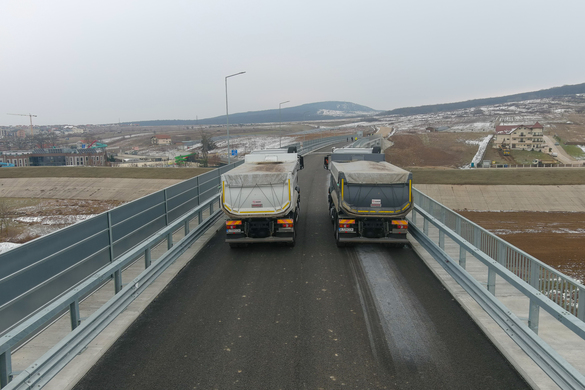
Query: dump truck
[(261, 198), (368, 197)]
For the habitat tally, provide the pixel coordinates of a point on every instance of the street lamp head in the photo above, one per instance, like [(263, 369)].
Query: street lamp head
[(235, 74)]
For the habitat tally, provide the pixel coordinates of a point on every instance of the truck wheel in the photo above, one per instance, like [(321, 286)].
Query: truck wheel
[(337, 242), (294, 241)]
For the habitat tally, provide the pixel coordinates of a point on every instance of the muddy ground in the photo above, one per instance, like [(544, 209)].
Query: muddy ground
[(31, 218), (556, 238)]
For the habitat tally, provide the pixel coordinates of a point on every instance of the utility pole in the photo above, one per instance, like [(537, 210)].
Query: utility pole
[(30, 116)]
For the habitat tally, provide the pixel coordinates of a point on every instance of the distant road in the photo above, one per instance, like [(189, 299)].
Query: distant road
[(562, 156)]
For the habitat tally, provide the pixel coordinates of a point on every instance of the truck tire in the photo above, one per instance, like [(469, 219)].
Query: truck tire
[(294, 241), (336, 234)]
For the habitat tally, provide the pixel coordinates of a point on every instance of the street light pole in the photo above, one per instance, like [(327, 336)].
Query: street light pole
[(280, 121), (226, 113)]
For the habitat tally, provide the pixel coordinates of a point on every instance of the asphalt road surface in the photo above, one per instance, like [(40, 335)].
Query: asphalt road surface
[(309, 317)]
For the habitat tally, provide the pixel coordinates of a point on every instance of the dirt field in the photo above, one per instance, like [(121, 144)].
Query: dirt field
[(32, 218), (432, 149), (556, 238)]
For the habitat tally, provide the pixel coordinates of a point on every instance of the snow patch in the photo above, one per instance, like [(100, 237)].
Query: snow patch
[(55, 219), (6, 246)]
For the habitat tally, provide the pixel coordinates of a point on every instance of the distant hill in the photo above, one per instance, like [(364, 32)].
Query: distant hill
[(305, 112), (542, 94)]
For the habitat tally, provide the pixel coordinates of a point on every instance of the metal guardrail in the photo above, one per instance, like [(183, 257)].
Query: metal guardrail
[(556, 286), (64, 351), (525, 273), (50, 275), (41, 270)]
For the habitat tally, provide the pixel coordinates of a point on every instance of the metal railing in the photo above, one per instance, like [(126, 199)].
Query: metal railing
[(544, 288), (555, 285), (40, 270), (49, 276)]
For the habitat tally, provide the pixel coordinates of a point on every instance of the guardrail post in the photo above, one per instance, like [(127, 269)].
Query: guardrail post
[(117, 274), (441, 239), (147, 258), (501, 253), (533, 311), (210, 208), (413, 216), (581, 304), (74, 314), (477, 237), (118, 281), (198, 191), (200, 217), (426, 226), (533, 316), (166, 209), (5, 369), (169, 240), (462, 259), (186, 227), (491, 281)]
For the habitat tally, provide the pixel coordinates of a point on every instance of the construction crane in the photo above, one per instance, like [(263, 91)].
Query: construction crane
[(30, 116)]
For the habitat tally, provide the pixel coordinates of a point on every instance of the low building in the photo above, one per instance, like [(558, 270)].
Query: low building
[(160, 139), (520, 137), (56, 157)]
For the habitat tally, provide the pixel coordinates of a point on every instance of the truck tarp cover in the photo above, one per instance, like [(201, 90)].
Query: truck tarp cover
[(369, 172), (249, 175)]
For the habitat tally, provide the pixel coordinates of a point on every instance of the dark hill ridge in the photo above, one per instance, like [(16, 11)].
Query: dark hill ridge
[(336, 110), (542, 94), (305, 112)]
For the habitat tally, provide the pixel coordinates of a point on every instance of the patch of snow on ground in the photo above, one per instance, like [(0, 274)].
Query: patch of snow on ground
[(480, 150), (6, 246), (473, 127), (55, 219)]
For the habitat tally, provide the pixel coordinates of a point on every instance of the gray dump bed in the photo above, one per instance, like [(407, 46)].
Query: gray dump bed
[(369, 172), (371, 189), (249, 175), (264, 186)]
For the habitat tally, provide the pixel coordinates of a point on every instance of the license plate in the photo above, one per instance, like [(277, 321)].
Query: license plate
[(347, 230), (234, 231)]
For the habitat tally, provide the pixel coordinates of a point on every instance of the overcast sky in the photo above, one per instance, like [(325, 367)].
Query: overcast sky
[(81, 62)]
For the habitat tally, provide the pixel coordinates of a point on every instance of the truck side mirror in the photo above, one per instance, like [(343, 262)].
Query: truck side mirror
[(301, 162), (326, 162)]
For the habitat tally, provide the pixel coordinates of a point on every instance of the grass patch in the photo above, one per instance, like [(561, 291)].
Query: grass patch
[(574, 151), (504, 176), (103, 172), (526, 156)]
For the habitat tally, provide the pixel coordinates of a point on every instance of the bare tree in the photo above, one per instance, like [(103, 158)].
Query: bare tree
[(41, 140), (52, 139), (206, 145), (5, 216)]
